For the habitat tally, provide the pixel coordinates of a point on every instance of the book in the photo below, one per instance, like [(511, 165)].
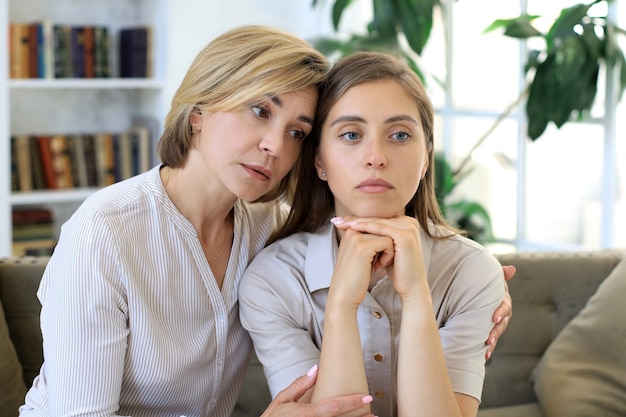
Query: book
[(79, 160), (77, 52), (91, 165), (61, 47), (24, 166), (134, 46), (88, 51), (105, 161), (102, 65), (33, 231), (15, 183), (141, 148), (39, 182), (19, 50), (61, 161), (47, 53), (33, 50), (45, 153), (124, 160)]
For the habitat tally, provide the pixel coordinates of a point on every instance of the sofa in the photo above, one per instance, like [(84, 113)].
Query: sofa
[(563, 354)]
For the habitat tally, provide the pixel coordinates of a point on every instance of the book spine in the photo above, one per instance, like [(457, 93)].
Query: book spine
[(91, 164), (24, 167), (77, 47), (133, 52), (61, 51), (15, 182), (46, 162), (33, 51), (101, 52), (61, 161), (105, 159), (89, 52), (39, 182)]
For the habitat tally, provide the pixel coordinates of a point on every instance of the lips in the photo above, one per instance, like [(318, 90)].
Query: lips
[(258, 171), (374, 185)]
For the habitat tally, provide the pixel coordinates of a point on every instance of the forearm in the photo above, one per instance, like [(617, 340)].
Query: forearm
[(342, 370), (424, 386)]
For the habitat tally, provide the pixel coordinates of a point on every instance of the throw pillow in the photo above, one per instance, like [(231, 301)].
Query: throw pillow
[(583, 371), (12, 384)]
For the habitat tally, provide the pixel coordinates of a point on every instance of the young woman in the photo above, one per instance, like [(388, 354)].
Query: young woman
[(139, 301), (366, 278)]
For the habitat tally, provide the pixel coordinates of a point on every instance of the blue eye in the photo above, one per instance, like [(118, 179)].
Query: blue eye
[(350, 136), (260, 111), (401, 136)]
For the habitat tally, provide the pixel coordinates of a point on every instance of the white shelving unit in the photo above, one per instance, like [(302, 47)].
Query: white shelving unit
[(38, 106)]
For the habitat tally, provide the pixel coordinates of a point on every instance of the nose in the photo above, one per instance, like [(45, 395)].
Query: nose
[(272, 143), (375, 157)]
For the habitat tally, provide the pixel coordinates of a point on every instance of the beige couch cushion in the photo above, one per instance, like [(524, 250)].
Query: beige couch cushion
[(583, 371), (11, 381)]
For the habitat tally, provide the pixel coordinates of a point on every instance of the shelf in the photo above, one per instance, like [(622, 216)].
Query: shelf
[(51, 196), (87, 84)]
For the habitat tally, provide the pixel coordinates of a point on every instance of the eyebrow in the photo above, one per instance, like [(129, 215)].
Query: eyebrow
[(279, 103), (352, 118)]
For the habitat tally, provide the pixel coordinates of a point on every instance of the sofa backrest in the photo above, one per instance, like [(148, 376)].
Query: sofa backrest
[(19, 281), (548, 290)]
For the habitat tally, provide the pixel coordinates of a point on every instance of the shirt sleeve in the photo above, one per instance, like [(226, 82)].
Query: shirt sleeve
[(476, 290), (84, 320), (275, 307)]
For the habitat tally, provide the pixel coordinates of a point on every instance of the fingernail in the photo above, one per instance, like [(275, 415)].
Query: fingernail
[(367, 399), (336, 220), (488, 354), (312, 371), (499, 319), (493, 339)]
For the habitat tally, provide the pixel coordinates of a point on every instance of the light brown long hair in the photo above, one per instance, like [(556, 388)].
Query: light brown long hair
[(313, 202), (235, 69)]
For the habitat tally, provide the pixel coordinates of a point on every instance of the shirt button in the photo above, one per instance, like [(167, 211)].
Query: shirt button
[(379, 395), (378, 357), (377, 314)]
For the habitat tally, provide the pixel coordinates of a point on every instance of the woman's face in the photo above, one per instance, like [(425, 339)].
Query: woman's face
[(251, 149), (372, 150)]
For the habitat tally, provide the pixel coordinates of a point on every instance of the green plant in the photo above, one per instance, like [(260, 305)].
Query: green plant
[(563, 77), (412, 20)]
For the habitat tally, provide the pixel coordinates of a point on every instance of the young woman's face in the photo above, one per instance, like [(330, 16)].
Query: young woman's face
[(372, 150), (251, 149)]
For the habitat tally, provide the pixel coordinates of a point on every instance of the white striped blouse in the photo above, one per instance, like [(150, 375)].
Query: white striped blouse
[(133, 321)]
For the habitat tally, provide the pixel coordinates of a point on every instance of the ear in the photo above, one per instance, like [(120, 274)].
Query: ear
[(195, 117), (321, 172)]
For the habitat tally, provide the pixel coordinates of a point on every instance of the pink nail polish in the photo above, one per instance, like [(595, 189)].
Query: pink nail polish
[(336, 220), (367, 399), (312, 371)]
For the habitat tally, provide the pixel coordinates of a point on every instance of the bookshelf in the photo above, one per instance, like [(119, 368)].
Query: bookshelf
[(47, 106)]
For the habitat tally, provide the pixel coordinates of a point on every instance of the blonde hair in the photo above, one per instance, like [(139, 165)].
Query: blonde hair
[(235, 69)]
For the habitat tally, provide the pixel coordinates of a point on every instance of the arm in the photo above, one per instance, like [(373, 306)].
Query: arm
[(502, 315), (342, 370), (287, 402), (442, 358), (83, 322)]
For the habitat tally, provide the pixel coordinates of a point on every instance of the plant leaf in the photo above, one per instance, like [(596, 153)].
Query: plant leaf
[(505, 23), (564, 25), (338, 8), (416, 19), (384, 22), (521, 30)]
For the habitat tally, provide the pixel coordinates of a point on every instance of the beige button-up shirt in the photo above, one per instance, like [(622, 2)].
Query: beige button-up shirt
[(283, 296)]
